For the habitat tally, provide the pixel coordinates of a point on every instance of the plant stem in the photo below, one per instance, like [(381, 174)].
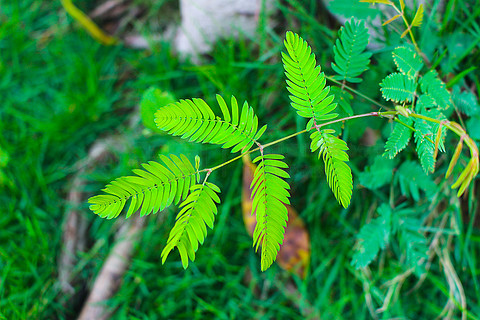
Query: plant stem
[(409, 28), (419, 116), (407, 25), (256, 149), (370, 114), (453, 126), (356, 92)]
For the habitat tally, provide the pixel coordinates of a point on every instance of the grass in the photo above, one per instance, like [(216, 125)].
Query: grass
[(61, 91)]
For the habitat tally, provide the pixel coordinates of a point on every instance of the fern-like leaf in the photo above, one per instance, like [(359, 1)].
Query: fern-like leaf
[(433, 86), (306, 82), (398, 87), (350, 60), (399, 138), (197, 212), (195, 120), (339, 174), (412, 179), (425, 148), (373, 237), (270, 194), (408, 61), (151, 190)]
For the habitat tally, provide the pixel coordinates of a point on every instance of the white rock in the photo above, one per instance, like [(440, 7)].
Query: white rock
[(205, 21)]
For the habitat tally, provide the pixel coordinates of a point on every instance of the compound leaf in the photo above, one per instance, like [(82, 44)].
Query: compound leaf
[(398, 87), (399, 138), (435, 127), (408, 61), (412, 179), (378, 174), (350, 60), (435, 88), (152, 189), (270, 195), (195, 120), (333, 151), (197, 212), (373, 237), (306, 84), (425, 147)]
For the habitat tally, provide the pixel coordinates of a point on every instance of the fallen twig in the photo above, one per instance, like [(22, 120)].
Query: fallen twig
[(111, 274), (75, 227)]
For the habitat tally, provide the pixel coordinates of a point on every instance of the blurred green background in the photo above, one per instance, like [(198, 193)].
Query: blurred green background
[(61, 91)]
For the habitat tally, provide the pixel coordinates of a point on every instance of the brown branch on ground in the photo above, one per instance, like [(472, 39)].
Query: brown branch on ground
[(111, 274), (75, 226)]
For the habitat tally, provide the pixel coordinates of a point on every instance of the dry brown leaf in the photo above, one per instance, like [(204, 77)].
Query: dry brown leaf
[(294, 254)]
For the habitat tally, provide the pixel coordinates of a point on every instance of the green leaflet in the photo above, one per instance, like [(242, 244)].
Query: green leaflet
[(407, 60), (197, 212), (425, 148), (306, 84), (412, 179), (195, 120), (270, 194), (350, 60), (398, 87), (399, 138), (339, 174), (433, 86), (151, 190), (373, 237)]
